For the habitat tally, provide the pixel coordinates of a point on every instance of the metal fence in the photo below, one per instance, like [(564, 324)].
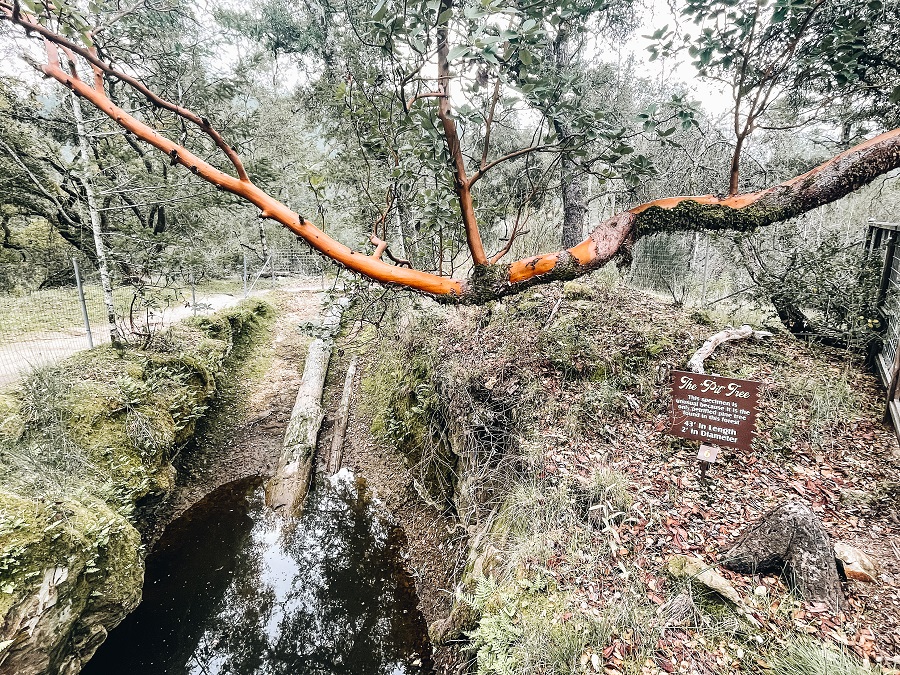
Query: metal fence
[(881, 243), (688, 268), (44, 326), (41, 327)]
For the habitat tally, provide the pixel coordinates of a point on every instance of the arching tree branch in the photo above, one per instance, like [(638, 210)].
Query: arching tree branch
[(826, 183)]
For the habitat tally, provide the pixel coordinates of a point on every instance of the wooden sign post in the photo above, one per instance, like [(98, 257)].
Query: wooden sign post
[(714, 410)]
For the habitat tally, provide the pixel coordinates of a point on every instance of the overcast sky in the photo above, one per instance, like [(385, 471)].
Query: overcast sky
[(656, 14)]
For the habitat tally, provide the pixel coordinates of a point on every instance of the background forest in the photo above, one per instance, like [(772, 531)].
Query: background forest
[(569, 119)]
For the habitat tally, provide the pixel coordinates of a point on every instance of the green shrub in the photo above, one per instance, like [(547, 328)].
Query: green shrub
[(528, 627)]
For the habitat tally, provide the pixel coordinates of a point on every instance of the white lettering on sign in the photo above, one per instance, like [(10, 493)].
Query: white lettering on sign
[(718, 410), (731, 389)]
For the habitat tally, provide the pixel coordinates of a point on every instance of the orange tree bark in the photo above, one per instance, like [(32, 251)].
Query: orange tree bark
[(826, 183)]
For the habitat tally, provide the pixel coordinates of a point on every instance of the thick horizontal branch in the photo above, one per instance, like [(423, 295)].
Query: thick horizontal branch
[(826, 183)]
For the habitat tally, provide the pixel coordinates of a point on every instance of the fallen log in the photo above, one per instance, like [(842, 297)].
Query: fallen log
[(695, 364), (287, 488), (790, 539), (336, 456)]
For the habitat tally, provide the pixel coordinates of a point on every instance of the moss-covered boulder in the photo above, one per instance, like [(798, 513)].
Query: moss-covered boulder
[(81, 445)]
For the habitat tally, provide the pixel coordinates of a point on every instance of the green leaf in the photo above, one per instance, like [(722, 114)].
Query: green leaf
[(458, 51)]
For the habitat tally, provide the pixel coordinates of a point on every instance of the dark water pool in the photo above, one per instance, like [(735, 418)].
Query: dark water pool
[(232, 589)]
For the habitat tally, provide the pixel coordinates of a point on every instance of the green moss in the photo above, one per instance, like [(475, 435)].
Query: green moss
[(81, 443), (690, 215), (577, 290), (485, 283), (98, 549), (568, 344)]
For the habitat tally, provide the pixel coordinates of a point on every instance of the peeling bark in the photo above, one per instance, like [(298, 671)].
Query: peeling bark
[(790, 539), (824, 184)]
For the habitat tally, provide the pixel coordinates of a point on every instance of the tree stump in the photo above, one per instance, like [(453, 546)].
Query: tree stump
[(790, 539)]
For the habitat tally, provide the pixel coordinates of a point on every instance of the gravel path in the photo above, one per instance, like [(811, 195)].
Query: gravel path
[(20, 358)]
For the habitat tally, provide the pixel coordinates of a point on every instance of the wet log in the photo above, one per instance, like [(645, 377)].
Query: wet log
[(695, 365), (336, 456), (790, 540), (287, 489)]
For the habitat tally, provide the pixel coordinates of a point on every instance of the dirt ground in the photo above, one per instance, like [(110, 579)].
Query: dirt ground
[(242, 436)]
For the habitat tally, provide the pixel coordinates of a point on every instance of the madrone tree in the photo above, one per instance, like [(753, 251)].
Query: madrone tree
[(438, 51)]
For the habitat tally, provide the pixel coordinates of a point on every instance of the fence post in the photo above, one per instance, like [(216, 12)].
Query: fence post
[(84, 312), (193, 294), (272, 260), (245, 274)]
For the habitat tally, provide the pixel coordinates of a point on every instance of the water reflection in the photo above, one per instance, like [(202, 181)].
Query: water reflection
[(233, 589)]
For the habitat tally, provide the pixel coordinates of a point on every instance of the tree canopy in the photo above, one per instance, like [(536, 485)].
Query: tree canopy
[(448, 125)]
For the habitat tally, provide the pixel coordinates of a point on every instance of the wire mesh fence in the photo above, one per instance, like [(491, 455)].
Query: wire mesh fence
[(41, 327), (687, 268)]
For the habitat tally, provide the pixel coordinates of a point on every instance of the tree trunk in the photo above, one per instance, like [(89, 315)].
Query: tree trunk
[(793, 318), (574, 210), (791, 539), (571, 176), (264, 243), (735, 171), (94, 214), (286, 490)]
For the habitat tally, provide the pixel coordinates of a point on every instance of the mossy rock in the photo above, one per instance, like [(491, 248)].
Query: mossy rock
[(123, 413), (65, 569)]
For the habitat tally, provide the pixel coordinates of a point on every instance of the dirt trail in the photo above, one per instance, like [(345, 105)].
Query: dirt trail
[(242, 435)]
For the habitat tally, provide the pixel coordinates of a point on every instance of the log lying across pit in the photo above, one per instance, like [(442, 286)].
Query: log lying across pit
[(336, 456), (695, 365), (790, 538), (287, 489)]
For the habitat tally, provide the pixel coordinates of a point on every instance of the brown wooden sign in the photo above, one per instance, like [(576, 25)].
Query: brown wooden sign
[(713, 409)]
